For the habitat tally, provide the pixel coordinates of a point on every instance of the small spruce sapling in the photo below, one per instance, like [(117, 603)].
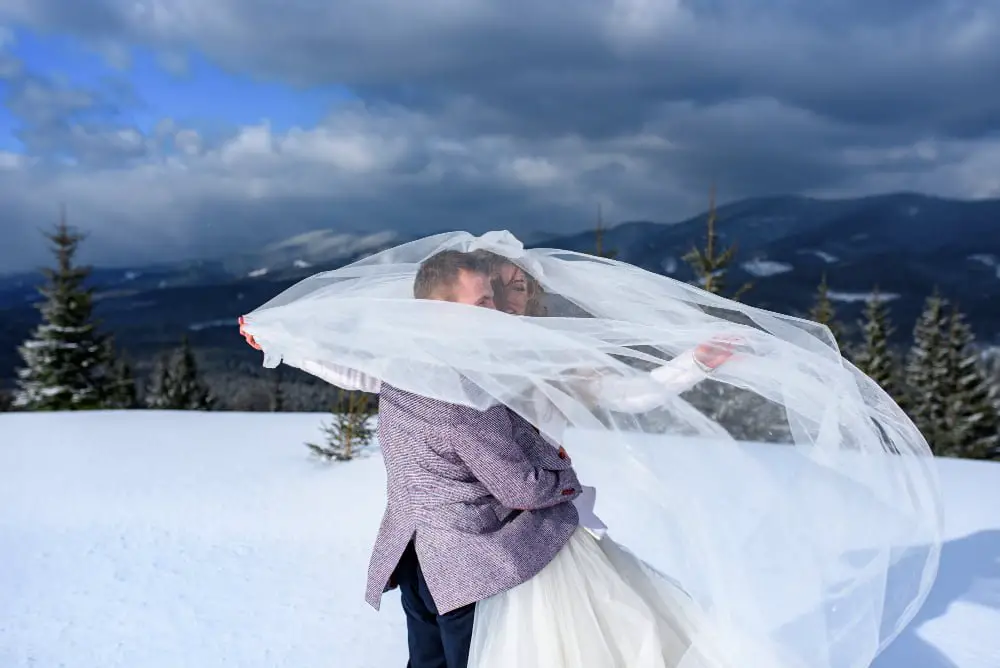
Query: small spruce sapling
[(350, 431)]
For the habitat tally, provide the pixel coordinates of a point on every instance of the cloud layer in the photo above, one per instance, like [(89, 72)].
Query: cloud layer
[(480, 114)]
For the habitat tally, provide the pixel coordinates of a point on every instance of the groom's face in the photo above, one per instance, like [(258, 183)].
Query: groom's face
[(474, 289)]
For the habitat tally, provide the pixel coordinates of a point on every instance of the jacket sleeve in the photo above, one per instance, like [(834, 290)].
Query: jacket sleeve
[(487, 443)]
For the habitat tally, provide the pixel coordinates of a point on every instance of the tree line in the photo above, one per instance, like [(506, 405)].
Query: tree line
[(943, 381), (70, 364)]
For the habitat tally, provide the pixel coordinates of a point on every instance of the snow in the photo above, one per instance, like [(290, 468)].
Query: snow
[(211, 324), (988, 261), (257, 273), (153, 539), (715, 274), (851, 297), (763, 268), (301, 264), (330, 244), (829, 258)]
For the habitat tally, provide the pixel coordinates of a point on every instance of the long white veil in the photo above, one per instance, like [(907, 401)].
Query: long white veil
[(789, 496)]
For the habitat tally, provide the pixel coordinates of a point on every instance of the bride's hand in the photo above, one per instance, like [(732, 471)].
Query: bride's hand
[(715, 353), (248, 336)]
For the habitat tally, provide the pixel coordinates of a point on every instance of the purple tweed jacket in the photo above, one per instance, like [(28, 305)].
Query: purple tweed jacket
[(455, 476)]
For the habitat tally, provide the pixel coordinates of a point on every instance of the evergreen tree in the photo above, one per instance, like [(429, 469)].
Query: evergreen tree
[(874, 357), (599, 250), (277, 393), (119, 387), (927, 372), (64, 359), (971, 419), (710, 264), (190, 390), (350, 430), (824, 313), (176, 383), (158, 390), (6, 400)]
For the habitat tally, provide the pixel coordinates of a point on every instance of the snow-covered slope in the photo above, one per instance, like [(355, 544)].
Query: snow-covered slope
[(158, 539)]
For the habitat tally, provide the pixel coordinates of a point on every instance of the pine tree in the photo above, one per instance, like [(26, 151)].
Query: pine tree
[(6, 400), (971, 419), (160, 381), (824, 313), (710, 264), (191, 392), (64, 358), (927, 373), (176, 383), (277, 398), (599, 250), (874, 357), (350, 430), (119, 387)]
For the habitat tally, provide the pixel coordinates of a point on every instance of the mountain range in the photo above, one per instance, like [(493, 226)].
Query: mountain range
[(905, 244)]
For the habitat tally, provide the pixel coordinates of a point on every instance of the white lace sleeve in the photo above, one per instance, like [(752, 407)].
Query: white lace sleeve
[(679, 374), (343, 377), (629, 395)]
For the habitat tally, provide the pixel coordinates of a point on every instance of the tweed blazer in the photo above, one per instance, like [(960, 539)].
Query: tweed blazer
[(485, 499)]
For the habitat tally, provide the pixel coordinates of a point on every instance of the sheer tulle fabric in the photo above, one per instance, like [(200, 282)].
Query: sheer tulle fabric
[(599, 606), (793, 500)]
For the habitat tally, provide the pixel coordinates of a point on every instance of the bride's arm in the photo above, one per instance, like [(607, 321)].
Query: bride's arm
[(343, 377), (638, 395), (340, 376)]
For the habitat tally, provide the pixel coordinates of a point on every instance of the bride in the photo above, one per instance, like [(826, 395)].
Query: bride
[(595, 604), (813, 554)]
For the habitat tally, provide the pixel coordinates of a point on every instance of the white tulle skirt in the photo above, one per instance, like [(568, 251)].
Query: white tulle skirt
[(595, 605)]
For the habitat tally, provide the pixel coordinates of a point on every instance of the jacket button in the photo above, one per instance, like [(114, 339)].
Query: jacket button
[(567, 492)]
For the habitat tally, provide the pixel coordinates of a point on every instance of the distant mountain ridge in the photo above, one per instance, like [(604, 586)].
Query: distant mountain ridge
[(905, 244)]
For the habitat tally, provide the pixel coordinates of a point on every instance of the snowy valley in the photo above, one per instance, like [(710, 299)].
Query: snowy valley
[(154, 539)]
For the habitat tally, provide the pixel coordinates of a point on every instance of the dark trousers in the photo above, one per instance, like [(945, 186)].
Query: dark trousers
[(436, 641)]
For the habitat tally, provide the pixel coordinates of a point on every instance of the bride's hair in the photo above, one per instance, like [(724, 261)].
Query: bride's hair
[(535, 306)]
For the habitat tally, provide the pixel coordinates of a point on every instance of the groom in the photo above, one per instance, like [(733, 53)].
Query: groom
[(477, 502)]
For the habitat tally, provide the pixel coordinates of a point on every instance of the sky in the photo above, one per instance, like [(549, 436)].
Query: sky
[(185, 128)]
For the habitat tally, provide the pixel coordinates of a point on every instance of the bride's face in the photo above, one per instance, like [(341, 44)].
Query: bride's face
[(515, 289)]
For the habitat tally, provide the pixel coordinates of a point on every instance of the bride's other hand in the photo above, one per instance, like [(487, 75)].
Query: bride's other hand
[(715, 353), (247, 335)]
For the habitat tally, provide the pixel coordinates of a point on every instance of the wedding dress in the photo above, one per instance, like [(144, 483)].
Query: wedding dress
[(811, 549), (596, 604)]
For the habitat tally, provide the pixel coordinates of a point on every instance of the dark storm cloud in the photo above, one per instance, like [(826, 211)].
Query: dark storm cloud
[(486, 113)]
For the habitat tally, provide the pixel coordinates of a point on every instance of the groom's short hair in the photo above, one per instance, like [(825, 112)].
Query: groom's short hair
[(439, 273)]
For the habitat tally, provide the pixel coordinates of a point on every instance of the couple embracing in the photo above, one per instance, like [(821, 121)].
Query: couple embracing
[(487, 532)]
